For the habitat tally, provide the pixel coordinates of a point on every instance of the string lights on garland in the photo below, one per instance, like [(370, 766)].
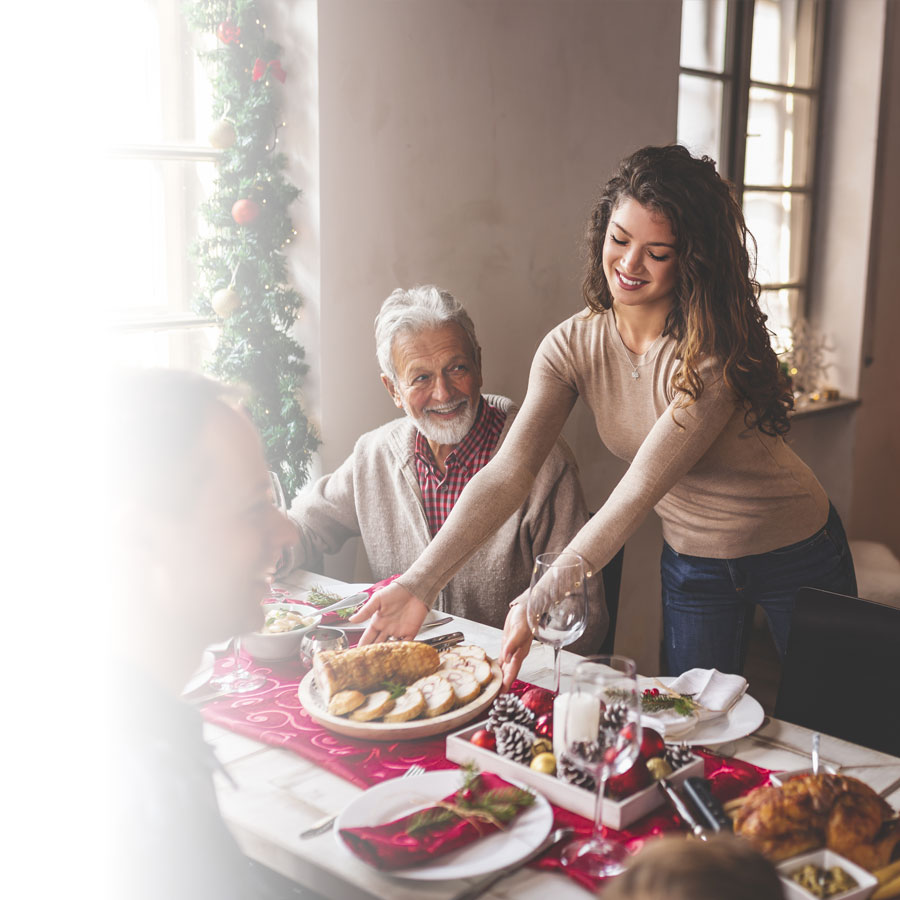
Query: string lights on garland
[(242, 267)]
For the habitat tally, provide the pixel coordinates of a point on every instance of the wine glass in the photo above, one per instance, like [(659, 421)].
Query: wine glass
[(601, 736), (239, 679), (557, 607)]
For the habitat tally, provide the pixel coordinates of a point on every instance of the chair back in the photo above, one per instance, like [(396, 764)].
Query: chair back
[(841, 673)]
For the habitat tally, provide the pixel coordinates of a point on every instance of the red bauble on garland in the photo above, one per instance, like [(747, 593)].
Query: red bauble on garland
[(245, 211), (227, 32)]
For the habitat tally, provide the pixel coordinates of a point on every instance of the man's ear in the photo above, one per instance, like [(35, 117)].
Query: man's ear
[(388, 382)]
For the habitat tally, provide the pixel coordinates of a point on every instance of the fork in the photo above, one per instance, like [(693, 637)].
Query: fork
[(326, 823)]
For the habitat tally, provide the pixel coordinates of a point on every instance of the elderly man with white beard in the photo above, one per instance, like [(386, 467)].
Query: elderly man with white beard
[(402, 479)]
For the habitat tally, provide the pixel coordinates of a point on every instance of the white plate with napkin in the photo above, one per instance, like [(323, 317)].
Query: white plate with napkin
[(725, 711)]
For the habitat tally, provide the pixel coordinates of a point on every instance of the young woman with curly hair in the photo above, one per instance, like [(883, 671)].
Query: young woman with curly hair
[(673, 359)]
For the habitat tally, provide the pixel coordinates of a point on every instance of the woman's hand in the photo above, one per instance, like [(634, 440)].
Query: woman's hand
[(517, 638), (394, 613)]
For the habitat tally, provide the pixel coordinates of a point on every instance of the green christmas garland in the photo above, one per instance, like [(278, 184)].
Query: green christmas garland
[(242, 268)]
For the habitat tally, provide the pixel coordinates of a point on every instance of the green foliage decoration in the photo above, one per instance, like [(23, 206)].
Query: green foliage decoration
[(254, 347)]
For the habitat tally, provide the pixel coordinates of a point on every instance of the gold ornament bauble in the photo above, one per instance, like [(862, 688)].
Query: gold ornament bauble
[(541, 745), (225, 302), (659, 767), (222, 135), (544, 762)]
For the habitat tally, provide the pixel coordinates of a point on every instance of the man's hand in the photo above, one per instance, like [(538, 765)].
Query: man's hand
[(394, 613), (517, 638)]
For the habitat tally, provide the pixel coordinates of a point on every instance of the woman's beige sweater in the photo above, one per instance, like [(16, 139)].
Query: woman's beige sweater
[(722, 490)]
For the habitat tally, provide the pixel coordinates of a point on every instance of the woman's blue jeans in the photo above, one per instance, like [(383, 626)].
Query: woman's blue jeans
[(708, 603)]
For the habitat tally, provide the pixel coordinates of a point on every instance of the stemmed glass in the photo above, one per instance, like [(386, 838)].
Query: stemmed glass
[(557, 606), (601, 734), (239, 679)]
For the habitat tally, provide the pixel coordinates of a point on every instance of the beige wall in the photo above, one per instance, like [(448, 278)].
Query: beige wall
[(876, 495), (462, 143)]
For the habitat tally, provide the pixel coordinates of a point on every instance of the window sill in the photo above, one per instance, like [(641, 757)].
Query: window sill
[(806, 408)]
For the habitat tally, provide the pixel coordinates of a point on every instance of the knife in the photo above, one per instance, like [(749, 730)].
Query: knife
[(560, 834), (681, 809), (443, 641)]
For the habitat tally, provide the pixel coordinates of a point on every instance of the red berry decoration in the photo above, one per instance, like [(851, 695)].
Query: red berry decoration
[(227, 32), (635, 779), (484, 738), (652, 744), (539, 701), (245, 211), (543, 727)]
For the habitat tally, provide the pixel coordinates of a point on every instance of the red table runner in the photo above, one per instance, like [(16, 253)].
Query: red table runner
[(273, 715)]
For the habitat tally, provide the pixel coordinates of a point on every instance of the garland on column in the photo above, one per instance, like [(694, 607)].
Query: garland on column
[(243, 274)]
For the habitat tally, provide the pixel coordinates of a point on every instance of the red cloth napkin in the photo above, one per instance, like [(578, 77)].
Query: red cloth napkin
[(391, 846)]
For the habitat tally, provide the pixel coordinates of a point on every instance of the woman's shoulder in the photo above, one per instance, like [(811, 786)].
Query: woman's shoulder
[(575, 336)]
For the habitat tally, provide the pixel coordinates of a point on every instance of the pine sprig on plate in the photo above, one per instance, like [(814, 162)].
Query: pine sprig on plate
[(499, 805), (683, 704), (319, 597)]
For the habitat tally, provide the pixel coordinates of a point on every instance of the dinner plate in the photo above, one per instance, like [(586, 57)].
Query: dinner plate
[(314, 704), (289, 594), (401, 796), (742, 719)]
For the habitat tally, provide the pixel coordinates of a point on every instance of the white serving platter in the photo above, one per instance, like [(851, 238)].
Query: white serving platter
[(314, 704)]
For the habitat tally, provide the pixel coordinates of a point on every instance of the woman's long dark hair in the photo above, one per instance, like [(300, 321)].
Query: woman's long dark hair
[(716, 309)]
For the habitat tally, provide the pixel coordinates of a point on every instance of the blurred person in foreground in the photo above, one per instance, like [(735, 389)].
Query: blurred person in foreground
[(402, 480), (196, 533), (677, 868)]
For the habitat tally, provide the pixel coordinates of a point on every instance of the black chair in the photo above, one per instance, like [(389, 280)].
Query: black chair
[(841, 673), (612, 580)]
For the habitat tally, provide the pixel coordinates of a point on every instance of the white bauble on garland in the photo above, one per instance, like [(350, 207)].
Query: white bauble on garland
[(222, 135), (226, 301)]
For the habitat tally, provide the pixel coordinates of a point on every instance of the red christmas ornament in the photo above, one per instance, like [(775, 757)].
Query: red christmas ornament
[(227, 32), (484, 738), (652, 744), (245, 211), (635, 779), (543, 727), (539, 701)]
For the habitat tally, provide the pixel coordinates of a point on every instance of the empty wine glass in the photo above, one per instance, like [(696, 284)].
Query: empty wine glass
[(239, 679), (601, 736), (557, 607)]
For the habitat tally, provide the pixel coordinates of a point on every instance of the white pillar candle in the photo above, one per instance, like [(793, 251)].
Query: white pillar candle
[(576, 717)]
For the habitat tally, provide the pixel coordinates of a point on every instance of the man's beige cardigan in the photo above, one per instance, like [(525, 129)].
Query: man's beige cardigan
[(375, 494)]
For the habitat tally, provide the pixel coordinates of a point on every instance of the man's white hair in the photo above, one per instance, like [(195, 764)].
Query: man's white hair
[(413, 311)]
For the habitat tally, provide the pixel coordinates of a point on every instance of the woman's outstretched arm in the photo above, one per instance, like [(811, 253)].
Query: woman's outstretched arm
[(487, 501)]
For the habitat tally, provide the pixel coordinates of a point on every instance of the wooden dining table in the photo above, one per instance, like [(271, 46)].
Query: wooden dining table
[(271, 794)]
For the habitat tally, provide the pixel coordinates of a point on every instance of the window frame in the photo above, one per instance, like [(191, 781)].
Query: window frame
[(736, 88)]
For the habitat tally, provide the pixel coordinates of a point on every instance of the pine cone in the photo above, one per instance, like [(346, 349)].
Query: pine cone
[(514, 741), (509, 708), (678, 755), (615, 715), (571, 773)]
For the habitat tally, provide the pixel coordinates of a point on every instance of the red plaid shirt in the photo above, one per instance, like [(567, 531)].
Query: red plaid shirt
[(441, 491)]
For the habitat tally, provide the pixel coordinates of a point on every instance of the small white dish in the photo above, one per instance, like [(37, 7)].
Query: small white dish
[(392, 799), (825, 859), (284, 644)]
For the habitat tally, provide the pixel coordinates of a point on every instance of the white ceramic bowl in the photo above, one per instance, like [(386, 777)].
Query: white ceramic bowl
[(825, 859), (285, 644)]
